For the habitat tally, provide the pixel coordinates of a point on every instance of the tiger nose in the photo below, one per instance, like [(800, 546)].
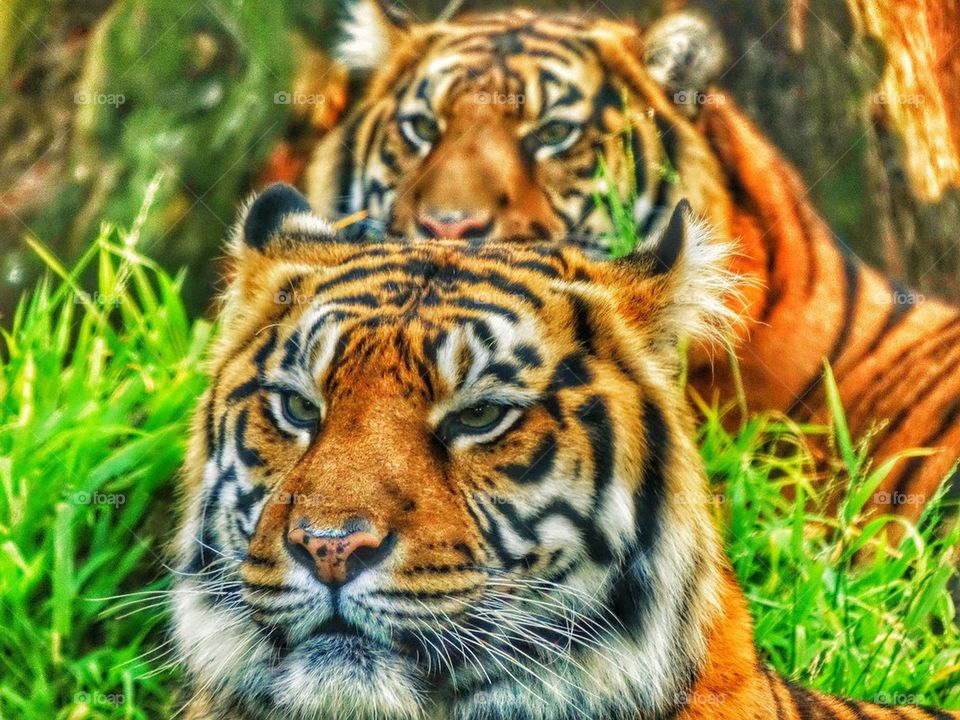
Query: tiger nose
[(337, 559), (454, 224)]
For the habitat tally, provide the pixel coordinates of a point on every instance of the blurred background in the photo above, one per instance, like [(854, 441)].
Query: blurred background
[(210, 99)]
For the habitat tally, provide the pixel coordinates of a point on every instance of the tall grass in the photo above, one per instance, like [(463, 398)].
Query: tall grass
[(837, 605), (95, 390), (95, 393)]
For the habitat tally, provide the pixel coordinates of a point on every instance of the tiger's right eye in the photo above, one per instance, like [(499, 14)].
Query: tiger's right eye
[(300, 411), (422, 128)]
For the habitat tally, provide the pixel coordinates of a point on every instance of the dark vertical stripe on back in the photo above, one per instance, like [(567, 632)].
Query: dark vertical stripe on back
[(652, 492), (910, 469), (851, 270)]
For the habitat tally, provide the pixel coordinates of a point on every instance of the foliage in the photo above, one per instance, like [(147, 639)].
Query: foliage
[(95, 390), (837, 605)]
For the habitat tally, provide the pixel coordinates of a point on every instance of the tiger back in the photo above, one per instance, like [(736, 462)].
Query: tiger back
[(456, 480), (493, 126)]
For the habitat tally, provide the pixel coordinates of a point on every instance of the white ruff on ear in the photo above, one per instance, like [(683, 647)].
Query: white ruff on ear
[(704, 286), (366, 42)]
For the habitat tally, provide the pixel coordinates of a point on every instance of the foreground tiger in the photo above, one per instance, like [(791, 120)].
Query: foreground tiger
[(456, 480), (492, 127)]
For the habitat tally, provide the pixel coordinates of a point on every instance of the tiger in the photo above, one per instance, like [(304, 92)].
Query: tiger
[(516, 126), (456, 479)]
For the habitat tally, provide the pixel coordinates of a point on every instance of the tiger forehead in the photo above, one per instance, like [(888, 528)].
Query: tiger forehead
[(384, 284), (494, 289), (400, 314), (478, 50)]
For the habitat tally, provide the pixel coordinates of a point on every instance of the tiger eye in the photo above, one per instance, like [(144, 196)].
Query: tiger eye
[(480, 416), (299, 410), (554, 132), (425, 128)]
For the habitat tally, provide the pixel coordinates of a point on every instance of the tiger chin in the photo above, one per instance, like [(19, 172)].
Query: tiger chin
[(456, 480)]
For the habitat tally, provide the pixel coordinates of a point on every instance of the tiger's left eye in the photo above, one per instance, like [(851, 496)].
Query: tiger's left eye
[(424, 127), (300, 411), (555, 132), (479, 417)]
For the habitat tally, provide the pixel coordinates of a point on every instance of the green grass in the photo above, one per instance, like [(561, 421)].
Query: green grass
[(95, 396), (836, 607), (95, 392)]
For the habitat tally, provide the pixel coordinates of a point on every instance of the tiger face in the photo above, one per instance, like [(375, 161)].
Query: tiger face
[(504, 125), (441, 479)]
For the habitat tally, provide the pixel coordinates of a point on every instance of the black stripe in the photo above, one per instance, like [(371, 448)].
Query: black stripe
[(917, 355), (537, 467), (650, 496), (918, 397), (932, 712), (209, 423), (771, 684), (851, 269), (348, 166), (243, 390), (571, 372), (597, 548), (528, 355), (487, 307), (898, 313), (247, 455), (354, 274), (582, 326), (206, 549), (912, 466), (856, 707), (805, 703), (595, 419)]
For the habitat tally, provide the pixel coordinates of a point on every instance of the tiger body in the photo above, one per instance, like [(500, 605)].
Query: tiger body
[(430, 152), (364, 537)]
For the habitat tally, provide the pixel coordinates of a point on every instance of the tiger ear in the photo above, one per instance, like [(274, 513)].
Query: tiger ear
[(684, 53), (678, 285), (371, 30), (280, 210)]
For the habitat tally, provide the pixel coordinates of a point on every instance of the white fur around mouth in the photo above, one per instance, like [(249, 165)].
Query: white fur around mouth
[(329, 675)]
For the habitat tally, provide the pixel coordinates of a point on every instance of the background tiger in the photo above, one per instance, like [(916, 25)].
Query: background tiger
[(492, 126), (455, 480)]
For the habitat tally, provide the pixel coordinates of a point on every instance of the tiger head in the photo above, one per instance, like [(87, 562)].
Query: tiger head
[(447, 479), (494, 126)]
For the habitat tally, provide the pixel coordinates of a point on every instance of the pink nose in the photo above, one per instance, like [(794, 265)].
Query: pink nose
[(454, 225), (337, 559)]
